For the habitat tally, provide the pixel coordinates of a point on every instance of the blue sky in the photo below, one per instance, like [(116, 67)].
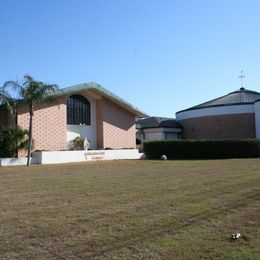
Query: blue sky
[(160, 55)]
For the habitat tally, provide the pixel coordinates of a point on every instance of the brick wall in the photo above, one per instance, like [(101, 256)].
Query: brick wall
[(115, 126), (236, 126), (49, 125), (99, 123)]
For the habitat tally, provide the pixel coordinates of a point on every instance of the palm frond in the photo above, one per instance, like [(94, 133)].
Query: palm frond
[(7, 101), (14, 87)]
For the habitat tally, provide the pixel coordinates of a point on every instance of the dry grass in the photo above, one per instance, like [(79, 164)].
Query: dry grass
[(131, 209)]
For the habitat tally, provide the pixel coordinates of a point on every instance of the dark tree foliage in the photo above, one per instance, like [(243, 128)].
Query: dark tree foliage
[(12, 139), (203, 149)]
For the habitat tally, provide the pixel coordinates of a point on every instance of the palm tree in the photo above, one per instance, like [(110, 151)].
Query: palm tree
[(32, 93)]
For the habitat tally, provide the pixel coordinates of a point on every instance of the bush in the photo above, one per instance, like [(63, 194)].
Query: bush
[(78, 143), (12, 139), (203, 149)]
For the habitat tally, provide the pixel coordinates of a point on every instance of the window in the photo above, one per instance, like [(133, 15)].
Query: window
[(169, 136), (78, 110)]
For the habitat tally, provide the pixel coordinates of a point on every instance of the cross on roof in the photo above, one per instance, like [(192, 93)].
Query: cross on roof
[(241, 78)]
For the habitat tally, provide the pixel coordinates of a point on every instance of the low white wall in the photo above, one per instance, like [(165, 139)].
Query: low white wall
[(122, 154), (74, 156), (17, 161), (88, 155), (60, 156)]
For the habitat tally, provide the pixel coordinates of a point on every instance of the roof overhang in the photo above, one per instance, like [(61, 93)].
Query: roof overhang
[(97, 92)]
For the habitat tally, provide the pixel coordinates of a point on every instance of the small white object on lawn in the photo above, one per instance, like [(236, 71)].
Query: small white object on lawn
[(236, 236), (164, 157)]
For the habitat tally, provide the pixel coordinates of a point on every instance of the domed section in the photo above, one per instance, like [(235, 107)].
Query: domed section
[(239, 97)]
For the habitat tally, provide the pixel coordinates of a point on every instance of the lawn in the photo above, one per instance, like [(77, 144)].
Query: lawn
[(131, 209)]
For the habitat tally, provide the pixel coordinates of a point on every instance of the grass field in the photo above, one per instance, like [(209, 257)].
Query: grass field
[(131, 209)]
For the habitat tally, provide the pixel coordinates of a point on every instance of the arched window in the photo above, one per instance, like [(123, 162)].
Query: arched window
[(78, 110)]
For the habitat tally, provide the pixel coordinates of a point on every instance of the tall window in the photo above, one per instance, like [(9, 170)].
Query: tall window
[(78, 110)]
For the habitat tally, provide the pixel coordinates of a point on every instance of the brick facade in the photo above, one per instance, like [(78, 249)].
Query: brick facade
[(49, 125), (115, 126), (236, 126)]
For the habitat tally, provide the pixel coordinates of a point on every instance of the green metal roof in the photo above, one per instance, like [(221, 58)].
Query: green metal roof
[(240, 97), (157, 122), (104, 92)]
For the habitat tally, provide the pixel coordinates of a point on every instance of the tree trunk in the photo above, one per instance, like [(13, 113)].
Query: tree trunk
[(30, 136)]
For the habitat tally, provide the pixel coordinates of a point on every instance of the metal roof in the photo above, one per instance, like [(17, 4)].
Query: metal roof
[(156, 122), (239, 97), (102, 91)]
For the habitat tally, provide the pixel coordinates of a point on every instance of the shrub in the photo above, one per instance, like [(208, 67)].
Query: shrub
[(12, 139), (203, 149), (78, 143)]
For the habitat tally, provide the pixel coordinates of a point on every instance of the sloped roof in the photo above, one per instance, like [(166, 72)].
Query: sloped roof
[(239, 97), (155, 122), (102, 91)]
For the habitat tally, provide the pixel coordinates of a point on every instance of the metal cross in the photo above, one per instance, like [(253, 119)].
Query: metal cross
[(241, 78)]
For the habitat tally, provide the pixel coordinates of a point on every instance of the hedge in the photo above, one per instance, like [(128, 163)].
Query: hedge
[(203, 149), (11, 139)]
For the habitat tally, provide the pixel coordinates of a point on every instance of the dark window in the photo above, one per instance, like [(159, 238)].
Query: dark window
[(78, 110)]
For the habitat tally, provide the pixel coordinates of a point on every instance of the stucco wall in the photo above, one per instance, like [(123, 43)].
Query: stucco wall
[(49, 125), (216, 111), (236, 126), (115, 126)]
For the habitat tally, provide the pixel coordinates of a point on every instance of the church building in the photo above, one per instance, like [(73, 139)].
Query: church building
[(233, 116), (87, 110)]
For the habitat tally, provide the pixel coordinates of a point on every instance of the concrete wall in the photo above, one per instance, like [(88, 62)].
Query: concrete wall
[(17, 161), (81, 156)]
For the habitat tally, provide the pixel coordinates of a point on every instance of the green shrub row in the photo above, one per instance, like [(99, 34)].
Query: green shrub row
[(11, 139), (202, 149)]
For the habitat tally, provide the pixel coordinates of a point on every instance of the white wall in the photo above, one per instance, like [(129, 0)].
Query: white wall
[(84, 131), (213, 111), (153, 134), (81, 156), (168, 136), (17, 161)]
